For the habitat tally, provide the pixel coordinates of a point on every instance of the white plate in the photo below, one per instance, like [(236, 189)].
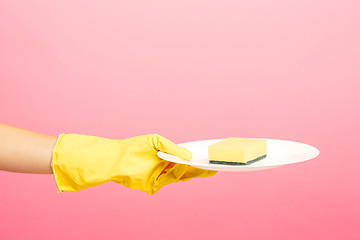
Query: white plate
[(279, 152)]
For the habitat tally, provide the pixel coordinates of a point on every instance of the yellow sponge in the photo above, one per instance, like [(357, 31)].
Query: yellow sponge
[(237, 151)]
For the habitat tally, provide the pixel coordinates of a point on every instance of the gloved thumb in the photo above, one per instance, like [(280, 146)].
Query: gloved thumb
[(165, 145)]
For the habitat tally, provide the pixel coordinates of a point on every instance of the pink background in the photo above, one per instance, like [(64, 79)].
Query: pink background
[(188, 70)]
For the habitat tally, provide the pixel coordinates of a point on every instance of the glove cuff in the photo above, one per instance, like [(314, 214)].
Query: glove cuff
[(81, 161), (54, 158)]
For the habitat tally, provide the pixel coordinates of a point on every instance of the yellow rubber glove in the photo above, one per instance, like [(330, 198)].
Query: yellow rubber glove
[(81, 161)]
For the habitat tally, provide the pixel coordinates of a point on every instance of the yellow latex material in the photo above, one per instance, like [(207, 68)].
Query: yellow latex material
[(81, 161)]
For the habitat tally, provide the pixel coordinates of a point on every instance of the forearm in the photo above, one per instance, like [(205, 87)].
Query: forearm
[(25, 151)]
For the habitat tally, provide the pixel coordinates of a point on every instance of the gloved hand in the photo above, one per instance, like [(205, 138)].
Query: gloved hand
[(81, 161)]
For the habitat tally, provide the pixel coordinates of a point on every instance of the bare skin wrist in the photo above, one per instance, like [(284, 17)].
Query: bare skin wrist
[(25, 151)]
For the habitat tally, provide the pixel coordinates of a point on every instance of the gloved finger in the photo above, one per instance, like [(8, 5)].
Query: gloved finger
[(192, 172), (172, 175), (165, 145)]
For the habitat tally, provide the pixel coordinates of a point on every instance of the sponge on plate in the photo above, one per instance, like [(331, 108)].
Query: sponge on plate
[(237, 151)]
